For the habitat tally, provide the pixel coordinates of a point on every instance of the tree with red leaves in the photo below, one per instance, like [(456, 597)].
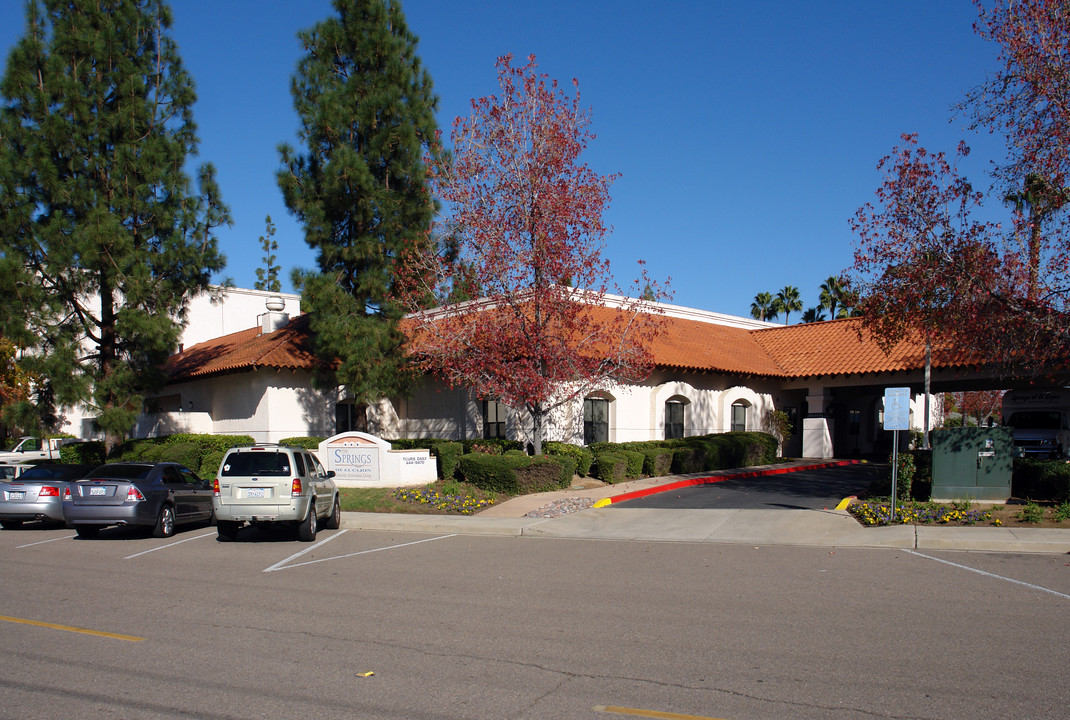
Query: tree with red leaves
[(1028, 99), (975, 405), (523, 223), (925, 263), (922, 262)]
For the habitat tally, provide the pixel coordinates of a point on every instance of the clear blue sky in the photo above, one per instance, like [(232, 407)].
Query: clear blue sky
[(746, 133)]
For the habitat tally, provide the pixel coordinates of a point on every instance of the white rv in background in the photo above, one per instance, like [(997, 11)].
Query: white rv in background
[(1039, 417)]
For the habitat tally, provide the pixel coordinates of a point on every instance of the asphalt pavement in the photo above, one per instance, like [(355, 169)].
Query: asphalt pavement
[(632, 511)]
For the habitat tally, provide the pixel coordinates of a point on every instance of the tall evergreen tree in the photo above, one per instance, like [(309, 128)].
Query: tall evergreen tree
[(367, 116), (96, 126)]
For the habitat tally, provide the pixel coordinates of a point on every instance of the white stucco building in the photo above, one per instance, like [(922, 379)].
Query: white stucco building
[(713, 373)]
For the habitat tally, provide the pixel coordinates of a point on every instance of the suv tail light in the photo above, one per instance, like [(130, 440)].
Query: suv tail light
[(67, 493), (48, 491), (215, 487), (295, 489), (134, 495)]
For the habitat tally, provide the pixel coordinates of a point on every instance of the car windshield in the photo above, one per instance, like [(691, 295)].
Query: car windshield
[(264, 464), (12, 446), (122, 472), (1036, 420)]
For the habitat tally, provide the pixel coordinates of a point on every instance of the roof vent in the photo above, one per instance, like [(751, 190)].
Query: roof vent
[(274, 318)]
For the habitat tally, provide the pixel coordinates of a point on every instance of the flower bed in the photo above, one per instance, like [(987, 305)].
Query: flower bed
[(872, 514)]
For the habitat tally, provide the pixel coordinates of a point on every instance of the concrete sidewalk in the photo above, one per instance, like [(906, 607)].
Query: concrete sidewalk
[(822, 528)]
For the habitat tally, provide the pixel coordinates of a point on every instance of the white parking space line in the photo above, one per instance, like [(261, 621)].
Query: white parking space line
[(169, 545), (988, 574), (282, 565), (42, 542)]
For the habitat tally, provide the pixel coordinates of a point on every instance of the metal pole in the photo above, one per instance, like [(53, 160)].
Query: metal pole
[(895, 471)]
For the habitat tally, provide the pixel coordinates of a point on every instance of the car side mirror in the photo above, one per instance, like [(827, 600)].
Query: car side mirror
[(330, 473)]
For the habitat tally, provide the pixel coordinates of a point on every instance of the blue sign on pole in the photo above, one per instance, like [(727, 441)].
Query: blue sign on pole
[(897, 408)]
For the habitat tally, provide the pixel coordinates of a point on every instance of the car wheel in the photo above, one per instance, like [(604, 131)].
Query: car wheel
[(87, 531), (334, 520), (165, 524), (227, 530), (306, 531), (10, 524)]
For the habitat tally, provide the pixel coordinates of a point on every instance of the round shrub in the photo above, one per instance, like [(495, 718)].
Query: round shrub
[(584, 457), (567, 465), (609, 467)]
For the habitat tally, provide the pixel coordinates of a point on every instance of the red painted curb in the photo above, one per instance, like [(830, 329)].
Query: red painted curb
[(720, 478)]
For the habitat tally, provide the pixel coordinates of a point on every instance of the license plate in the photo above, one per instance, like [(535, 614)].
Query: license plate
[(256, 492), (98, 491), (16, 495)]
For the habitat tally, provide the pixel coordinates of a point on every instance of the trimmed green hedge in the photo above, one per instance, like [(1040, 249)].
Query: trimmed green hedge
[(539, 476), (657, 461), (583, 456), (610, 467), (447, 457), (495, 473), (565, 463), (1041, 480), (188, 454), (200, 453), (491, 446), (305, 443), (84, 453), (210, 464)]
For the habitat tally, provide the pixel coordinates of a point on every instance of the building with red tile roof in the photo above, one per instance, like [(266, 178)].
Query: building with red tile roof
[(713, 373)]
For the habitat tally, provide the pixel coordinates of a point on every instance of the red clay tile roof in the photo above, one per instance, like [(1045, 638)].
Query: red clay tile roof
[(288, 348), (792, 351)]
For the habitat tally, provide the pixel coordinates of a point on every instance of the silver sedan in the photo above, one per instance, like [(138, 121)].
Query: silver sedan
[(37, 494)]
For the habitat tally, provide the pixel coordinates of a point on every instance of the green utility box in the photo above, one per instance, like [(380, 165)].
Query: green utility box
[(972, 463)]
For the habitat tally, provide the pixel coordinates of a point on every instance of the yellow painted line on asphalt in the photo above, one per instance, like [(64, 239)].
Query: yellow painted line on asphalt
[(648, 713), (71, 628), (844, 503)]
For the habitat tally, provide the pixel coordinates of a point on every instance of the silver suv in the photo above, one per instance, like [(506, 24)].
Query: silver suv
[(267, 483)]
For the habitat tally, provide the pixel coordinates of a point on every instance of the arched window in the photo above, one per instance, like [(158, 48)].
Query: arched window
[(739, 416), (675, 418), (595, 420)]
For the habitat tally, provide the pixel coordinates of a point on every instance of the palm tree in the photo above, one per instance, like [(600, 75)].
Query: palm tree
[(788, 300), (813, 314), (763, 307), (831, 297), (1041, 199)]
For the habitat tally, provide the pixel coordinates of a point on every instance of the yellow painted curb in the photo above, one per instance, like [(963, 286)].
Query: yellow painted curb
[(603, 502), (844, 503)]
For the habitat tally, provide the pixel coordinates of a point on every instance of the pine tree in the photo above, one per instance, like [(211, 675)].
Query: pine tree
[(95, 128), (367, 116), (267, 277)]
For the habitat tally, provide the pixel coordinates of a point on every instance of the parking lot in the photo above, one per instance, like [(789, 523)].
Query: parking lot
[(407, 625)]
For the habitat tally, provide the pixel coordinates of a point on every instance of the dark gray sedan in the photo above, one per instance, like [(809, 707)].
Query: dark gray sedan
[(156, 495), (37, 494)]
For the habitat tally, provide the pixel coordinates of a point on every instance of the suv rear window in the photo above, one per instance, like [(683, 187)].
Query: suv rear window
[(263, 464)]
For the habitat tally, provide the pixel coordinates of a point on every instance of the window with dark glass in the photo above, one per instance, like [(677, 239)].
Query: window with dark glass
[(494, 416), (739, 417), (595, 420), (674, 419)]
